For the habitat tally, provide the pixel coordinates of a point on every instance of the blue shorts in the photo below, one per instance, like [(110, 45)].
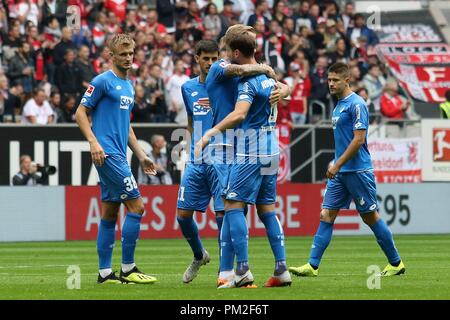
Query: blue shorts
[(253, 180), (359, 186), (198, 185), (116, 180)]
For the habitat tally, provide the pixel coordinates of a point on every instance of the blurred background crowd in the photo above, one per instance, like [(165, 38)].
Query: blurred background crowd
[(45, 65)]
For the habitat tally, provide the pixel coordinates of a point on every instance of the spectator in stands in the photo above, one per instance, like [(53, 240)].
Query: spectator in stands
[(9, 103), (61, 48), (37, 110), (393, 106), (360, 29), (54, 9), (30, 173), (331, 36), (355, 78), (68, 74), (85, 67), (118, 7), (156, 91), (142, 111), (227, 17), (21, 68), (319, 83), (300, 85), (445, 106), (259, 15), (279, 13), (340, 54), (347, 15), (374, 115), (11, 42), (212, 20), (374, 83), (159, 157), (55, 103), (303, 18), (243, 9), (195, 21), (166, 14), (177, 107), (68, 108), (272, 51)]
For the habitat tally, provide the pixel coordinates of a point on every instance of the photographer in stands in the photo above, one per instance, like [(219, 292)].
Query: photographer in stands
[(160, 160), (31, 173)]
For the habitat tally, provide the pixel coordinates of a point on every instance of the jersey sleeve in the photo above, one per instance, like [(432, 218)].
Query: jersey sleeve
[(246, 91), (185, 94), (217, 72), (360, 116), (94, 93)]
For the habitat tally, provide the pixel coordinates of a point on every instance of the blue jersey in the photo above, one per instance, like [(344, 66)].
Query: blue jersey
[(259, 126), (194, 96), (351, 114), (222, 92), (111, 100)]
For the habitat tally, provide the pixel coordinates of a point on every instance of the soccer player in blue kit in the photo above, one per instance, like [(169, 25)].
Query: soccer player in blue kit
[(252, 178), (109, 99), (200, 180), (350, 177)]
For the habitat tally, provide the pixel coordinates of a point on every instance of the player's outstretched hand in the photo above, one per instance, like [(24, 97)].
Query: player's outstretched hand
[(148, 166), (97, 154)]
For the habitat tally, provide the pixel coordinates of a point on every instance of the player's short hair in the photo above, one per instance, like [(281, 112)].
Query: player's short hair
[(244, 42), (207, 46), (121, 39), (235, 30), (340, 68)]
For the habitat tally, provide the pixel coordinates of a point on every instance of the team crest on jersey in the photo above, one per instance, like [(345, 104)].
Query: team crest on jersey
[(125, 102), (334, 121), (89, 90)]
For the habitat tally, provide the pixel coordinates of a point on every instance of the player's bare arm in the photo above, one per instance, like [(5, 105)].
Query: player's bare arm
[(248, 70), (97, 152), (230, 121), (359, 137), (147, 164)]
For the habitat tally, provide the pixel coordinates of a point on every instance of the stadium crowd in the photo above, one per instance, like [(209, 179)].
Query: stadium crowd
[(46, 64)]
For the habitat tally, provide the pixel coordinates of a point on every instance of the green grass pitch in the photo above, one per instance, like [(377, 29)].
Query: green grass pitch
[(38, 270)]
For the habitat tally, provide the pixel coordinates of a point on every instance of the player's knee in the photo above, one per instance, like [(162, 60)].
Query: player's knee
[(327, 216)]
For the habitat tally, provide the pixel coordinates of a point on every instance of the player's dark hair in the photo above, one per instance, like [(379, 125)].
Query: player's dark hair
[(340, 68), (245, 43), (207, 46)]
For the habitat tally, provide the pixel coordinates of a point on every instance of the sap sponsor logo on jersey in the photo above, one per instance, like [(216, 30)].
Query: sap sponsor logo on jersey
[(89, 90), (268, 83), (200, 110), (125, 102)]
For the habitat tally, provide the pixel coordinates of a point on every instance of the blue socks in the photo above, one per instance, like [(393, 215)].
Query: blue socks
[(130, 234), (226, 247), (238, 232), (190, 232), (386, 241), (219, 222), (105, 243), (275, 235), (320, 243)]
